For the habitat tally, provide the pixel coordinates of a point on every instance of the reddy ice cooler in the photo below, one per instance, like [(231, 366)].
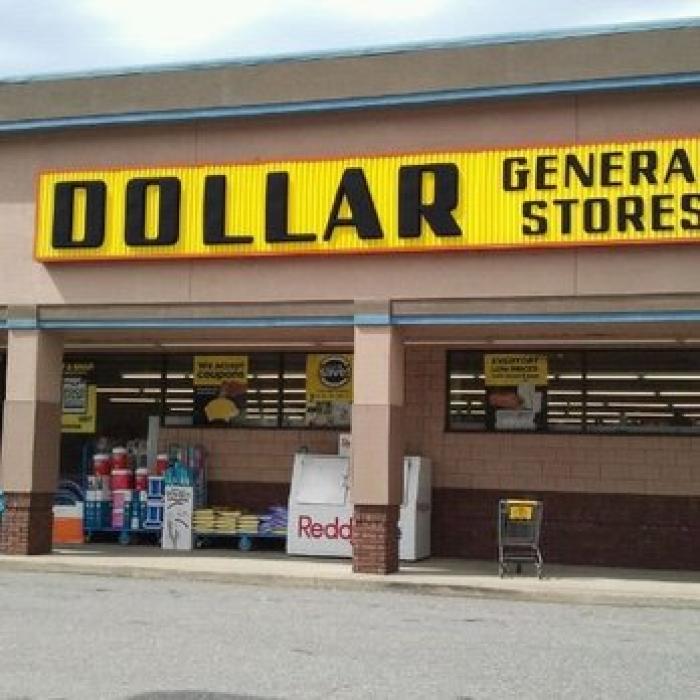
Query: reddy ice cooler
[(320, 512)]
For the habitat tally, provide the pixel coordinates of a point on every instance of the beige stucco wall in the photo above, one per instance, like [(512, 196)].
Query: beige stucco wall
[(626, 277), (572, 273)]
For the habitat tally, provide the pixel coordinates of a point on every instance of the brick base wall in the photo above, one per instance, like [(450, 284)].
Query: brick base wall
[(651, 532), (27, 523), (253, 495), (595, 529), (375, 541)]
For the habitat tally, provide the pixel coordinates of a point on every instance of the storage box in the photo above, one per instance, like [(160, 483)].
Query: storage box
[(68, 524)]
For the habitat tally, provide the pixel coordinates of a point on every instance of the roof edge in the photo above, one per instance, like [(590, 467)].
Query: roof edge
[(404, 100), (476, 41)]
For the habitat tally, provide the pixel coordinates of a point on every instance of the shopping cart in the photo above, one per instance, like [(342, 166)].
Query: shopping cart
[(519, 524)]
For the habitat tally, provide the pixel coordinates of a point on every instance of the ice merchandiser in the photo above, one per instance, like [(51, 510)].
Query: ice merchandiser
[(320, 511), (415, 512)]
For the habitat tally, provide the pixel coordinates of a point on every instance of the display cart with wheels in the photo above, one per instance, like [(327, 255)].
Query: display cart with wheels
[(226, 527), (123, 535), (519, 525), (244, 541)]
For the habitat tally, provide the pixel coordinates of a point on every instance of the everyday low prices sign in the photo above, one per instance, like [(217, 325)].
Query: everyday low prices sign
[(515, 386), (511, 370)]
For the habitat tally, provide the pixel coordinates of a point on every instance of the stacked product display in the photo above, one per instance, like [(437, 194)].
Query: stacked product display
[(216, 520), (117, 491), (248, 524), (125, 497), (192, 457), (98, 496), (213, 522)]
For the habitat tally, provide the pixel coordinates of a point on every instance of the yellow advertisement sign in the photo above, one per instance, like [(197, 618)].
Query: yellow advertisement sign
[(520, 512), (78, 398), (212, 370), (328, 390), (220, 389), (511, 370), (328, 378), (559, 196)]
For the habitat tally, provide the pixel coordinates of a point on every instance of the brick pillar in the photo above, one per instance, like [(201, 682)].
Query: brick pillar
[(27, 523), (375, 540), (30, 440), (377, 445)]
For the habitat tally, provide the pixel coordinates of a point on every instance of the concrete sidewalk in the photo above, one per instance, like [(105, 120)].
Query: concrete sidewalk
[(435, 576)]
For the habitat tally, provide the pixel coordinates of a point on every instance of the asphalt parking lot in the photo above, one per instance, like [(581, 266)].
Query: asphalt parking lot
[(72, 636)]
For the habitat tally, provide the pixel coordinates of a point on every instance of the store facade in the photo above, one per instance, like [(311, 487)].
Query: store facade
[(500, 240)]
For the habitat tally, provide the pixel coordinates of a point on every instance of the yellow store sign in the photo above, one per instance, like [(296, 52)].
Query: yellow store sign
[(328, 378), (604, 194), (220, 389), (79, 398), (214, 370), (511, 370)]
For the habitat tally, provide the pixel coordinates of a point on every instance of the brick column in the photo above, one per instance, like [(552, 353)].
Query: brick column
[(375, 539), (27, 523), (377, 447), (30, 440)]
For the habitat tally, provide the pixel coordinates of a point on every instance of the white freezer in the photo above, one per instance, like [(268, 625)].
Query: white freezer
[(320, 511), (415, 511)]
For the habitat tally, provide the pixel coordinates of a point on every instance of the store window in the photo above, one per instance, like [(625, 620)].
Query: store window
[(112, 398), (116, 395), (294, 390), (466, 402), (643, 391), (264, 390), (592, 391)]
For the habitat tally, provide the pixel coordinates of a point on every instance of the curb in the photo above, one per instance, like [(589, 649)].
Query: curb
[(549, 595)]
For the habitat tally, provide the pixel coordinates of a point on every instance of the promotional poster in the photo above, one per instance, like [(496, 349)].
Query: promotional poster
[(79, 398), (515, 391), (220, 387), (328, 390)]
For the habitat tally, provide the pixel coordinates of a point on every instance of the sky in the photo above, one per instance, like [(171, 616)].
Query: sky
[(39, 37)]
